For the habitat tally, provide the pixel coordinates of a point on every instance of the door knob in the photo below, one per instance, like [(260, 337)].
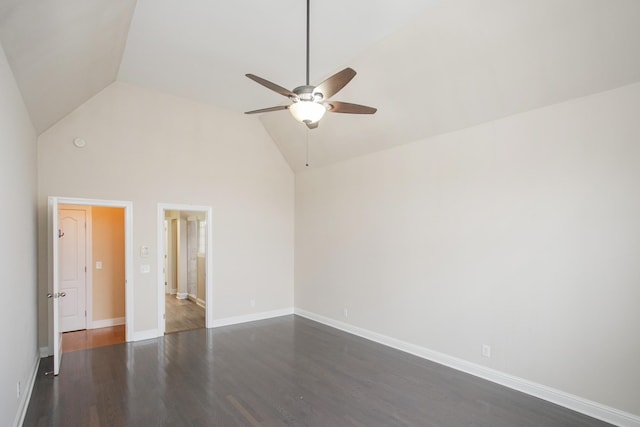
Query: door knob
[(56, 295)]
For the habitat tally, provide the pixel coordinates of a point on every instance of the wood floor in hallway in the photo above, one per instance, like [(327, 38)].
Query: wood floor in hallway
[(182, 315), (286, 371), (92, 338)]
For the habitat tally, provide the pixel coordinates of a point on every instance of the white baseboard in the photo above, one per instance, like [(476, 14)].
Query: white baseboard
[(45, 352), (575, 403), (146, 335), (26, 395), (199, 301), (182, 295), (234, 320), (105, 323)]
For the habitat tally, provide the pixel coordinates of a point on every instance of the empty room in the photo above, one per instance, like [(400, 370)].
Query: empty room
[(320, 213)]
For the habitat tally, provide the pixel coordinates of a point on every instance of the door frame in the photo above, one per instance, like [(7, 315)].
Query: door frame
[(208, 217), (54, 202)]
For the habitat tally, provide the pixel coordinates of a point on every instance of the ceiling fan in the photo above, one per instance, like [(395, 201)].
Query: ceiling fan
[(311, 102)]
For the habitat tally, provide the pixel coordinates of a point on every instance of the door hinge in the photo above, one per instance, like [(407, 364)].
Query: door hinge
[(85, 268), (85, 313), (164, 316)]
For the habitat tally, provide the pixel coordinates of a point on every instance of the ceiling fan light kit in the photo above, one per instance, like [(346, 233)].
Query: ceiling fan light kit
[(311, 102), (307, 112)]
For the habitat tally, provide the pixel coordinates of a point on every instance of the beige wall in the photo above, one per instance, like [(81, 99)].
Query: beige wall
[(18, 312), (173, 255), (522, 233), (148, 148), (173, 223), (107, 247), (202, 274)]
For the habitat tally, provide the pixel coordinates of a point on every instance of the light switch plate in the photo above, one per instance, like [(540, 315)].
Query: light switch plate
[(98, 265)]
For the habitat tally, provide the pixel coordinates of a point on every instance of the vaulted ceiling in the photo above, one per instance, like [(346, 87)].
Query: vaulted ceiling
[(429, 66)]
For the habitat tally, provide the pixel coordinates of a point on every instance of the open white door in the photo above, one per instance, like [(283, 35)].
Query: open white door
[(72, 270), (55, 294)]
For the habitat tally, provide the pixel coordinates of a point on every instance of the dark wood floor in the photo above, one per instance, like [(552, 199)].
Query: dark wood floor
[(182, 315), (287, 371)]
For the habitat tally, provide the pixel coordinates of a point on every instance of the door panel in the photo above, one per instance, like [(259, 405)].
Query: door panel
[(69, 306), (72, 264)]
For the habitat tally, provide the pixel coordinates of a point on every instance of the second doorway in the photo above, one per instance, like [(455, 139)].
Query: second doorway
[(185, 260)]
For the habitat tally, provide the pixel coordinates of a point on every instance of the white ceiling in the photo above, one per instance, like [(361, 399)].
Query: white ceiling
[(429, 66), (202, 49), (62, 52)]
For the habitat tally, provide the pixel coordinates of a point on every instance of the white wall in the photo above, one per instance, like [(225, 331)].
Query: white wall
[(17, 247), (150, 148), (522, 233)]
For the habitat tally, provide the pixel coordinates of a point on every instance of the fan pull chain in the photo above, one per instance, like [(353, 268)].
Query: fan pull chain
[(307, 163)]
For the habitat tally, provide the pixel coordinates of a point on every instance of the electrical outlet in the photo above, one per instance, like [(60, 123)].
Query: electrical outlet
[(346, 313), (486, 350), (18, 390)]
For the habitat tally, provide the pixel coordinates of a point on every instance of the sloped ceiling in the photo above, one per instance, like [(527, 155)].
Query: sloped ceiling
[(466, 62), (62, 52), (430, 66)]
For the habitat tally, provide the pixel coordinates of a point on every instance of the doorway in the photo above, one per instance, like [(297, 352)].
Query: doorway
[(184, 264), (92, 276), (56, 295)]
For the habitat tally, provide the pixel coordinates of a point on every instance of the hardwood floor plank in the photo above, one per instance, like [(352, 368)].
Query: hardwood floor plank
[(243, 411), (287, 371)]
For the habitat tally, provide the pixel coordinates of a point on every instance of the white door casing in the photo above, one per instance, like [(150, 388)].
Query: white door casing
[(72, 269), (55, 337), (165, 270)]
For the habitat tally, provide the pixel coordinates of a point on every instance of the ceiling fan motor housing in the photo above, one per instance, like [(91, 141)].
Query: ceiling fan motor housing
[(305, 93)]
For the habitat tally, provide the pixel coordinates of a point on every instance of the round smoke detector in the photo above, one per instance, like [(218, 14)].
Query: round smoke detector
[(79, 142)]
